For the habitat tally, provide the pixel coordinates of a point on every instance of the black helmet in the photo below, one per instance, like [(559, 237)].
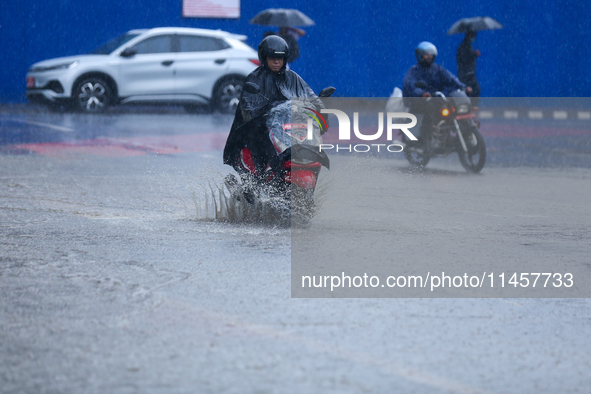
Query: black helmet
[(423, 48), (273, 46)]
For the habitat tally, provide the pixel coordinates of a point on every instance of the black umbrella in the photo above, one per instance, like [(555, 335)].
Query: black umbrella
[(474, 24), (282, 17)]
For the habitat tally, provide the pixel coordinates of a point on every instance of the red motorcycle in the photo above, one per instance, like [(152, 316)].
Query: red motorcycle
[(295, 128)]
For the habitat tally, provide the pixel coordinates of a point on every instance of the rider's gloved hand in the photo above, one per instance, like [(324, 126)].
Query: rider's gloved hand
[(266, 109), (426, 94), (468, 90)]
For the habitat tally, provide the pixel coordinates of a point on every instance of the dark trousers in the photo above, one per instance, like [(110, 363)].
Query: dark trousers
[(473, 83), (428, 108), (261, 148)]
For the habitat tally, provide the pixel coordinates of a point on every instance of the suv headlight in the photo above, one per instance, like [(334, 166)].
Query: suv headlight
[(62, 66)]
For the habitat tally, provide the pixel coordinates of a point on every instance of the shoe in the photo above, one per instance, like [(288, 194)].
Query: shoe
[(231, 183), (249, 196), (418, 151), (234, 187)]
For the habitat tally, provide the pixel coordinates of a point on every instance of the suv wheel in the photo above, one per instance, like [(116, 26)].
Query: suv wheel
[(92, 95), (227, 95)]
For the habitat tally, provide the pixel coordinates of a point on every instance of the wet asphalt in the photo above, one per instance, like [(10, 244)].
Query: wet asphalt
[(120, 271)]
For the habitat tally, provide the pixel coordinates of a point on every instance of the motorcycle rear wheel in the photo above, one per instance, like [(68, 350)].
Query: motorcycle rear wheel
[(475, 158)]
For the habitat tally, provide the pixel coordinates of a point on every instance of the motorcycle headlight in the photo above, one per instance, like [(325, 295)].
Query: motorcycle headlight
[(63, 66)]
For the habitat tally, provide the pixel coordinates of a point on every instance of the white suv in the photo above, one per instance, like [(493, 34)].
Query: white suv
[(180, 65)]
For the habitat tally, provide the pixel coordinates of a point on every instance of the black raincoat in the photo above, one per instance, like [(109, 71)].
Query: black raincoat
[(249, 127), (466, 58)]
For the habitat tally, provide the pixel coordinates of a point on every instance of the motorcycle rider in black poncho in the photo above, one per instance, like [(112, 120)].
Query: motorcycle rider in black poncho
[(277, 84)]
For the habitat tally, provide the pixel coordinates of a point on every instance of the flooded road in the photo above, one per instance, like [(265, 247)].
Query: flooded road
[(115, 275)]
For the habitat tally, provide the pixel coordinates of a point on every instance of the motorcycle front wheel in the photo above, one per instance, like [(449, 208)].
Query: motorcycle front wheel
[(473, 160)]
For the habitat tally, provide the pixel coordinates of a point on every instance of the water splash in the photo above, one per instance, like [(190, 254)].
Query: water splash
[(213, 201)]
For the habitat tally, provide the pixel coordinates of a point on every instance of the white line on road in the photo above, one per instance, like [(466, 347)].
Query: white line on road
[(485, 115), (47, 125), (535, 114), (511, 114)]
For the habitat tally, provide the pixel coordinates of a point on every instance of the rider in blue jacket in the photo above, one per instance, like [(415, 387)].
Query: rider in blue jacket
[(433, 78)]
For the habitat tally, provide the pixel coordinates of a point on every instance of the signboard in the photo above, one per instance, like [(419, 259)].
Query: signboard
[(211, 8)]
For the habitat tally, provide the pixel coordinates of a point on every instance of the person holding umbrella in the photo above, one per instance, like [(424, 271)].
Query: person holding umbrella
[(291, 35), (466, 57), (286, 19)]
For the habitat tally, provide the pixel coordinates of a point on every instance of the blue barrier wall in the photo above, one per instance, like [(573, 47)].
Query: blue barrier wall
[(361, 47)]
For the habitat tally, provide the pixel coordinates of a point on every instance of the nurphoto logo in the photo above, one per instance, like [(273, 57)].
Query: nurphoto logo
[(393, 120)]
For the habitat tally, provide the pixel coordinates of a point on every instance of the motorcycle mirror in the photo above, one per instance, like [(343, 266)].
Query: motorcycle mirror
[(327, 92), (252, 88), (420, 85)]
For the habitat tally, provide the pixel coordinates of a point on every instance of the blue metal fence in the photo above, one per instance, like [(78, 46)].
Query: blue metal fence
[(361, 47)]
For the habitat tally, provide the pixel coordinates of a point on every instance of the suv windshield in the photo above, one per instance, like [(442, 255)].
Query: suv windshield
[(115, 43)]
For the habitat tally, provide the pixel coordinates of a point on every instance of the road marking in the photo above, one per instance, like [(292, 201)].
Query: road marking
[(511, 114), (128, 146), (535, 114), (106, 217), (47, 125)]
